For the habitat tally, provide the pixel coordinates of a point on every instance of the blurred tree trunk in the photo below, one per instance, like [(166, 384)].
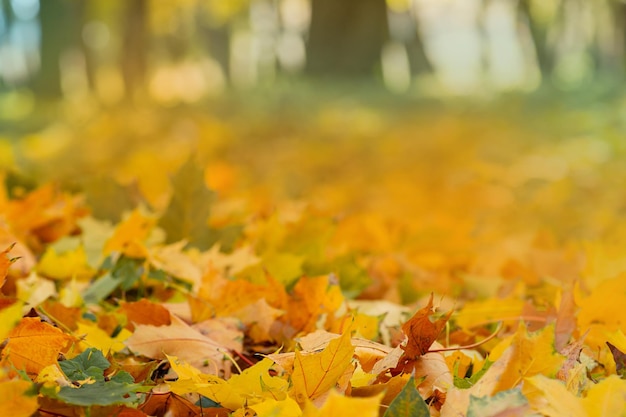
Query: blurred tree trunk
[(539, 35), (418, 59), (134, 48), (56, 38), (346, 37), (217, 38)]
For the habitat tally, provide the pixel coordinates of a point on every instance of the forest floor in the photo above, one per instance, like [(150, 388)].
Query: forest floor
[(322, 257)]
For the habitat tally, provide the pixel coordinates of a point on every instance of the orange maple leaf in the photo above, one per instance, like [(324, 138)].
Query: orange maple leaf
[(33, 345)]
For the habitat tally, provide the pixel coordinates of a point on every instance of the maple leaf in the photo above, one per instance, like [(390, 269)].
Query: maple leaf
[(33, 345), (188, 212), (421, 332), (533, 353), (315, 374), (87, 371)]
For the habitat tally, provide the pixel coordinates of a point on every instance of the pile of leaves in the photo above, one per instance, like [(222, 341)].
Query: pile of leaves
[(442, 266)]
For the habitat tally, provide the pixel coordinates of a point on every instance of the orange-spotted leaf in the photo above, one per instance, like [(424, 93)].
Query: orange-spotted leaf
[(33, 345)]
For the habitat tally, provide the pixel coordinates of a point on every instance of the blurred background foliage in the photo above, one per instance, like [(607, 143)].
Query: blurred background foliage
[(172, 52)]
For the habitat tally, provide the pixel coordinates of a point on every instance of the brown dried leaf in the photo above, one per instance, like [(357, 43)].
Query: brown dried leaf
[(180, 340)]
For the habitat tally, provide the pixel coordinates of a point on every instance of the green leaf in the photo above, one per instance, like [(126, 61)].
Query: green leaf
[(99, 393), (188, 211), (511, 402), (90, 363), (101, 288), (128, 271), (408, 403), (88, 368)]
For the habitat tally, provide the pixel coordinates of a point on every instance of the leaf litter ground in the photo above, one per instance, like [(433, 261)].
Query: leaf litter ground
[(347, 262)]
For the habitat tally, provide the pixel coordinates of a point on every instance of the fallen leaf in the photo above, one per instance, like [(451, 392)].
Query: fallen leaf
[(145, 312), (421, 331), (533, 353), (551, 398), (509, 403), (169, 404), (408, 403), (273, 408), (94, 336), (15, 400), (67, 265), (607, 398), (457, 400), (9, 318), (33, 345), (180, 340), (340, 405), (130, 234), (187, 214), (173, 260), (315, 374)]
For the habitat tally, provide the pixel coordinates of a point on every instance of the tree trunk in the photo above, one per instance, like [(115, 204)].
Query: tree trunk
[(346, 38), (134, 54), (56, 37), (538, 33)]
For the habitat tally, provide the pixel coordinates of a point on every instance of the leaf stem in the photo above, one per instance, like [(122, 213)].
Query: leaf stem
[(473, 345)]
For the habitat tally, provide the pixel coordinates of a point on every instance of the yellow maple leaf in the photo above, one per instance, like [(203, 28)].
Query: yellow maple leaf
[(532, 354), (602, 310), (316, 373), (94, 336), (607, 398), (273, 408), (9, 318), (190, 379), (66, 265), (15, 402), (551, 398)]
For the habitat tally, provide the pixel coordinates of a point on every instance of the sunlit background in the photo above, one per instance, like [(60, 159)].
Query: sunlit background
[(185, 51)]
